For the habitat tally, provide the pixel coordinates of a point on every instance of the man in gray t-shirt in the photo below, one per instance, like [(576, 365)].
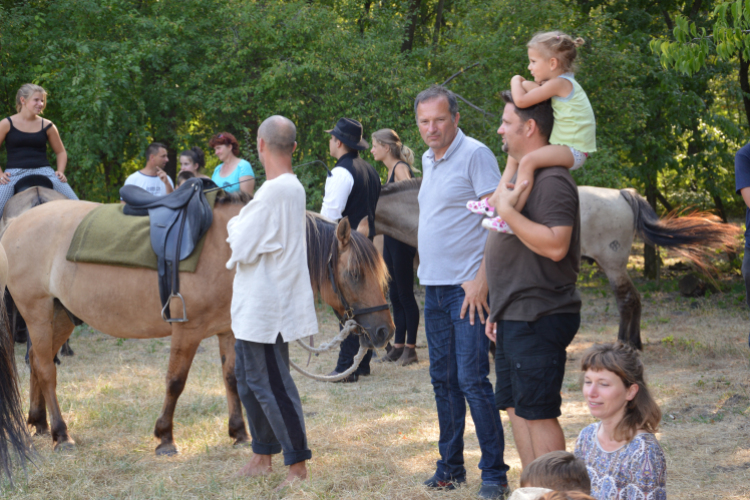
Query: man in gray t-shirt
[(456, 169), (532, 279)]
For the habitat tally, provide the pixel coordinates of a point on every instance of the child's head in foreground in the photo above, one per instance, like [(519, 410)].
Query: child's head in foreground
[(557, 470), (183, 176), (566, 495)]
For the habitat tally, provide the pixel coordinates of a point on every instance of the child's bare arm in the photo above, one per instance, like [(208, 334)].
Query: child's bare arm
[(523, 99), (528, 85)]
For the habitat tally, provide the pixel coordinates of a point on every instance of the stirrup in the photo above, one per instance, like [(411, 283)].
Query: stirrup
[(184, 318)]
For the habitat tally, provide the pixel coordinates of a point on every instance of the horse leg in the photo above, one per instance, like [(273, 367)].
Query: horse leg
[(237, 429), (37, 407), (183, 346), (28, 349), (66, 349), (629, 306), (48, 337)]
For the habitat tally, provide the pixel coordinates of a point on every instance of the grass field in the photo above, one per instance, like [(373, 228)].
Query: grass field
[(378, 438)]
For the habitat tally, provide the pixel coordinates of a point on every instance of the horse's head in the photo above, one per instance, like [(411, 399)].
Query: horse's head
[(349, 275), (361, 278)]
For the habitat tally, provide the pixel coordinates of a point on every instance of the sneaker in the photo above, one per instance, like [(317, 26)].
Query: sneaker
[(447, 485), (493, 491), (408, 357), (480, 207), (352, 377), (497, 224)]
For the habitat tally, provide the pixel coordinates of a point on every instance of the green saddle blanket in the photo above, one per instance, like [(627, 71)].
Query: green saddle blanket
[(108, 236)]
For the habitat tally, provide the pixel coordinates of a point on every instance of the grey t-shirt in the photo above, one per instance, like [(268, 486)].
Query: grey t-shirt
[(525, 286), (451, 238)]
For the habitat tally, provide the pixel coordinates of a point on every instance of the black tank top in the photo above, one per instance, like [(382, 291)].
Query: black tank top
[(26, 149), (393, 173)]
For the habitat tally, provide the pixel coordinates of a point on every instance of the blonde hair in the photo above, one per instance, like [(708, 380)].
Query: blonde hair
[(26, 91), (391, 140), (642, 412), (558, 45)]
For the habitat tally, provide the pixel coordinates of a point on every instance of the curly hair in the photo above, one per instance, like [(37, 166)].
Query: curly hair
[(225, 138)]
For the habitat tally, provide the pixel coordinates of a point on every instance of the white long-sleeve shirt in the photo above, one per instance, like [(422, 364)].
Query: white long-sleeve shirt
[(272, 291), (338, 188)]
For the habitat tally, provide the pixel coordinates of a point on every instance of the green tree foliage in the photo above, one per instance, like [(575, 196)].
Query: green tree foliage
[(122, 73)]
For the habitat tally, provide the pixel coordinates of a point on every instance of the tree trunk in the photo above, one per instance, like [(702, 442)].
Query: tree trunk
[(362, 20), (719, 204), (745, 86), (414, 9), (650, 257), (438, 22)]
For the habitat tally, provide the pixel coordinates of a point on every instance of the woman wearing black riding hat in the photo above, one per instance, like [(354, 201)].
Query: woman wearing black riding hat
[(352, 190)]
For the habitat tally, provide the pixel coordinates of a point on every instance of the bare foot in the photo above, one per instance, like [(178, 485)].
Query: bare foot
[(297, 472), (259, 465)]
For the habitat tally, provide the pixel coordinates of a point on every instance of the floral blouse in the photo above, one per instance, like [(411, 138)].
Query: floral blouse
[(636, 471)]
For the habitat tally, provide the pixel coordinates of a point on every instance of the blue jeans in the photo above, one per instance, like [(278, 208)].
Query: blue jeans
[(459, 369)]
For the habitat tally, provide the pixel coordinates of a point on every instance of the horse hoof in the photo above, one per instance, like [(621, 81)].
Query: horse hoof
[(68, 445), (166, 450), (41, 431), (241, 443)]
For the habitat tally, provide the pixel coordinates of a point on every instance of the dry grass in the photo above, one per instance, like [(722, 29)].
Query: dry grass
[(377, 438)]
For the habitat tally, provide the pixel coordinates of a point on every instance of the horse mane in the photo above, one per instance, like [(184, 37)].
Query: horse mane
[(397, 187), (322, 243), (236, 198)]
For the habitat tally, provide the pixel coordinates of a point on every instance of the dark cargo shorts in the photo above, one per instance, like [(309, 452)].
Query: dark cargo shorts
[(530, 364)]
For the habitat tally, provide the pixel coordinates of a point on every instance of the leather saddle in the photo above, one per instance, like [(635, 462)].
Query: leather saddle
[(31, 181), (177, 222)]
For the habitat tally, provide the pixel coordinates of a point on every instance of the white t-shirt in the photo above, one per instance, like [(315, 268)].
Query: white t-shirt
[(152, 184), (272, 293)]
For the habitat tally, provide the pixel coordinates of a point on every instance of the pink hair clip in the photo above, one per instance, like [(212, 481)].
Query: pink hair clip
[(557, 37)]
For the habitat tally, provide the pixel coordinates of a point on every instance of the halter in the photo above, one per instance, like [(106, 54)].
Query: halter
[(349, 312)]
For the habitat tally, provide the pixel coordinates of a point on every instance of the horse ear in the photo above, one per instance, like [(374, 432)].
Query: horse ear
[(364, 227), (344, 232)]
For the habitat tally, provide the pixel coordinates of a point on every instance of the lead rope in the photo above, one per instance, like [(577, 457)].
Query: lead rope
[(349, 327)]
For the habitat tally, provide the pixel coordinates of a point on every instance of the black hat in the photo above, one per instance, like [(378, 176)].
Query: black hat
[(349, 132)]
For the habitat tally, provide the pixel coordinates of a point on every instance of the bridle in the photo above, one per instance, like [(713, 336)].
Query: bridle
[(349, 312)]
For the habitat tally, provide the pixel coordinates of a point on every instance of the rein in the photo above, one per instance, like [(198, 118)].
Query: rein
[(350, 313)]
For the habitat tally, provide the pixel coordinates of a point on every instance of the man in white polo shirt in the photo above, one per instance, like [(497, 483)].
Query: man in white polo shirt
[(457, 168), (152, 177)]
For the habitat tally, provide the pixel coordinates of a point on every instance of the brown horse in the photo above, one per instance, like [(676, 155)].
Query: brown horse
[(610, 218), (124, 302)]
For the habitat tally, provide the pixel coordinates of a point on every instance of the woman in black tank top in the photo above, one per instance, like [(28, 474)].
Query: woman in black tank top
[(398, 256), (26, 135)]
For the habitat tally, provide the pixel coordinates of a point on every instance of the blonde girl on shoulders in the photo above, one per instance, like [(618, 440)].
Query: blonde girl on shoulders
[(551, 63)]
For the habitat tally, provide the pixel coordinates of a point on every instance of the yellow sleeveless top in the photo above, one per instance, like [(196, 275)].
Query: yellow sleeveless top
[(575, 125)]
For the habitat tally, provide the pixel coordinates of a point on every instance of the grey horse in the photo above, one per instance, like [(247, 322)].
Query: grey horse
[(610, 219)]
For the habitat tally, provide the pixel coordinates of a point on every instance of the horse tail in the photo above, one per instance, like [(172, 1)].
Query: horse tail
[(14, 435), (692, 235), (15, 442)]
